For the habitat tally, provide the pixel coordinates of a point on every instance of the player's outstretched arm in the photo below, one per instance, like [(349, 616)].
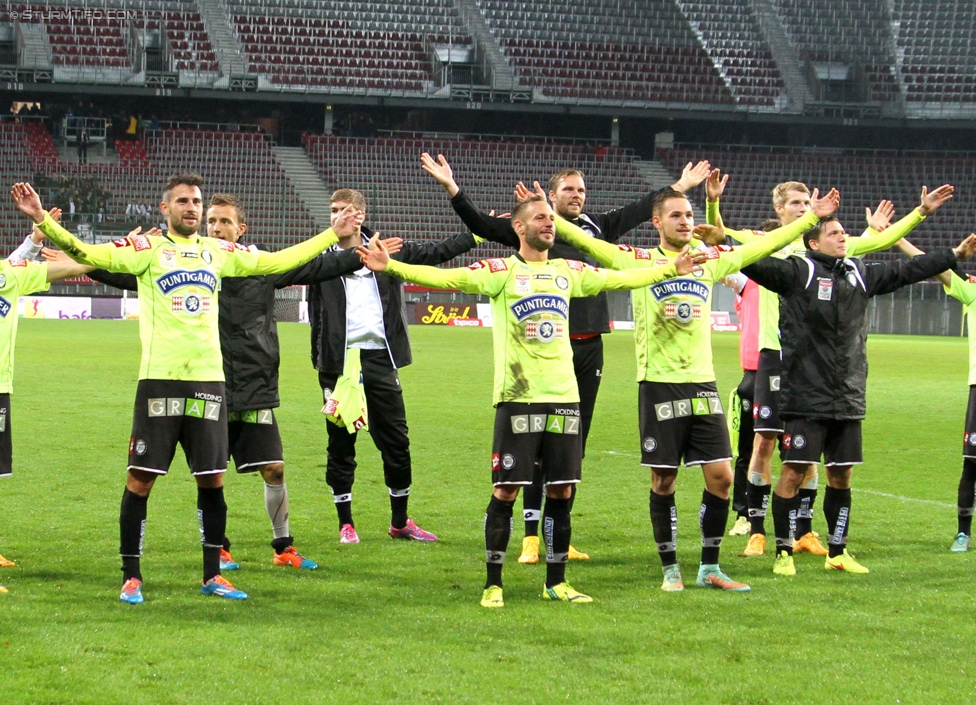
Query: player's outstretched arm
[(909, 249), (638, 278), (471, 280), (606, 254), (779, 238), (329, 265), (891, 276), (930, 202)]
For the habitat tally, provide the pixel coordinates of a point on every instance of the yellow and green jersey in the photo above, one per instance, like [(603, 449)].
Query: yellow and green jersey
[(965, 291), (672, 320), (178, 283), (17, 278), (530, 312), (856, 247)]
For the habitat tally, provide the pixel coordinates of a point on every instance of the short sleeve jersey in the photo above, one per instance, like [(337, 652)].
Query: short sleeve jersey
[(17, 278), (178, 283), (965, 291)]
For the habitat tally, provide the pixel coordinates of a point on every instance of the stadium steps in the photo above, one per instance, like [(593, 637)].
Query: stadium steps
[(502, 76), (657, 176), (785, 55), (230, 54), (304, 176), (36, 48)]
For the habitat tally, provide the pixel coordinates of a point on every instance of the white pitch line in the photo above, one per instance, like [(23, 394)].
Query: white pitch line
[(899, 497)]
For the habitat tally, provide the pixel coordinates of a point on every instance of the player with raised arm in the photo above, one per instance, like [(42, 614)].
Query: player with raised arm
[(537, 417), (822, 398), (19, 276), (962, 288), (791, 200), (589, 317), (181, 395), (681, 417)]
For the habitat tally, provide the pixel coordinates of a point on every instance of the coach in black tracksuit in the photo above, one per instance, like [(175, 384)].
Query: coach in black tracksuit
[(823, 311), (589, 318), (336, 319)]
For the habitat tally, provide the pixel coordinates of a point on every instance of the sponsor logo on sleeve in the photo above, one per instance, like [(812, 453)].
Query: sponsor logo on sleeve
[(140, 242), (575, 264), (225, 245), (972, 278), (17, 263), (497, 265)]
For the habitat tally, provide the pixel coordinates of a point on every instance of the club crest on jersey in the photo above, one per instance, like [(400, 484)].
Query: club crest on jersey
[(191, 304), (523, 284), (680, 287), (182, 277), (683, 311), (540, 303), (562, 283), (5, 307), (206, 256), (545, 331), (3, 280)]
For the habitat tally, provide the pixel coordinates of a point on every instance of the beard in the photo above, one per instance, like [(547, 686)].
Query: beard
[(184, 230), (534, 240)]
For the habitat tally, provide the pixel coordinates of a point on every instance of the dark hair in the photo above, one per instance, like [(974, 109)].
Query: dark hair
[(181, 180), (225, 199), (521, 206), (770, 225), (665, 194), (816, 231)]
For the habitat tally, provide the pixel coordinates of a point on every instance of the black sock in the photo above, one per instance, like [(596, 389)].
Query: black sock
[(804, 516), (226, 544), (757, 498), (132, 529), (212, 511), (967, 496), (557, 530), (342, 496), (398, 507), (498, 530), (532, 503), (712, 519), (280, 544), (837, 510), (572, 498), (664, 523), (784, 522)]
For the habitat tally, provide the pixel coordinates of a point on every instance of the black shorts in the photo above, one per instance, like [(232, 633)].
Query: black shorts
[(682, 422), (550, 434), (167, 412), (254, 439), (968, 441), (6, 447), (765, 399), (839, 442)]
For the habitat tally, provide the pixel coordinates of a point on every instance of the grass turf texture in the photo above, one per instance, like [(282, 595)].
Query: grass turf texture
[(391, 620)]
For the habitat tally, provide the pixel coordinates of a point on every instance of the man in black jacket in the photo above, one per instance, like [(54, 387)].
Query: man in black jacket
[(365, 310), (249, 348), (589, 318), (822, 387)]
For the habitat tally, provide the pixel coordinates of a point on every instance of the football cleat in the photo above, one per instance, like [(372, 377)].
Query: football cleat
[(3, 589), (492, 597), (810, 543), (960, 544), (784, 564), (755, 547), (530, 551), (347, 534), (413, 532), (740, 527), (221, 587), (672, 579), (575, 555), (712, 576), (227, 561), (846, 563), (4, 563), (132, 592), (295, 559), (565, 593)]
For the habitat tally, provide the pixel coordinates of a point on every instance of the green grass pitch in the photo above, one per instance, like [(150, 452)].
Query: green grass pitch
[(392, 621)]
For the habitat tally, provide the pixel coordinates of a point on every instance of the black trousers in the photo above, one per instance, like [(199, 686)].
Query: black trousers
[(387, 426), (746, 437), (588, 365)]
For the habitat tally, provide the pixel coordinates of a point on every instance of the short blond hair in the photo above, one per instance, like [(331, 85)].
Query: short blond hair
[(351, 196), (780, 191)]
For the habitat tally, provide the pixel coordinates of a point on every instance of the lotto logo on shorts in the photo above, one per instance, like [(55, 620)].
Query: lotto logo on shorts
[(496, 462), (197, 408), (680, 408), (545, 423), (684, 311)]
